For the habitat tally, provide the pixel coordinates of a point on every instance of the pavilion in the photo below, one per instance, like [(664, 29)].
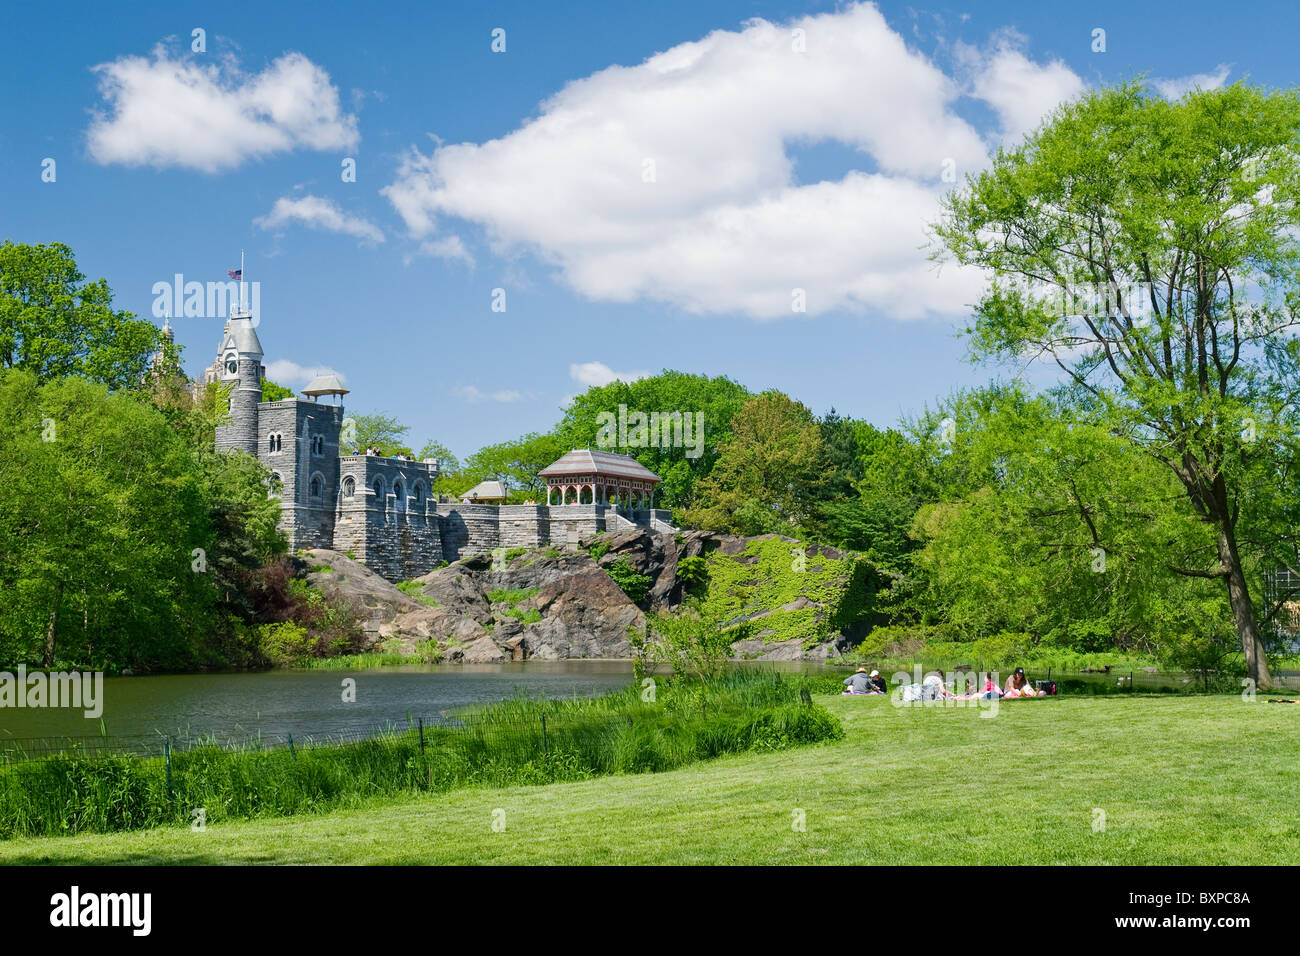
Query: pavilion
[(485, 493), (589, 477)]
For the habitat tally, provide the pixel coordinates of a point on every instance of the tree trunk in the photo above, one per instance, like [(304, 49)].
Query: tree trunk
[(47, 657), (1243, 612)]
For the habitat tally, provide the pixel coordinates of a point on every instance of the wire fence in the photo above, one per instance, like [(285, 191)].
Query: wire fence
[(427, 731), (519, 735)]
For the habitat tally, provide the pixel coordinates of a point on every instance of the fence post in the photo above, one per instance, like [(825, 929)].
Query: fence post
[(1130, 682), (292, 752), (422, 736), (167, 759), (543, 735)]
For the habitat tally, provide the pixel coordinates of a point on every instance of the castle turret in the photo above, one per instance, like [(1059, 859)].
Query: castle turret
[(241, 363)]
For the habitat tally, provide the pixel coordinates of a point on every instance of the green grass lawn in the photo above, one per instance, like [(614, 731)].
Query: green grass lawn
[(1196, 780)]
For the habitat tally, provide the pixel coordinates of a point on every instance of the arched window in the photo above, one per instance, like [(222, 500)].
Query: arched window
[(349, 487), (317, 486), (318, 445), (398, 490), (379, 488), (275, 485), (416, 491)]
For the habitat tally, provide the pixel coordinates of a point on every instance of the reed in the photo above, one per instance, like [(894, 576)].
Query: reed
[(523, 740)]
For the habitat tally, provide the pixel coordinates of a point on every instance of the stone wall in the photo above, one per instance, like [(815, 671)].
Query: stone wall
[(240, 433), (307, 450), (468, 530), (387, 516)]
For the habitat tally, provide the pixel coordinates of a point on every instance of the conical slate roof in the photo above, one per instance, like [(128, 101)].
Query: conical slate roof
[(242, 337)]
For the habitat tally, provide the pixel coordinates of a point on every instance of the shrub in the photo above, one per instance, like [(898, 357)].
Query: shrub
[(511, 596), (286, 642), (635, 586), (899, 640), (530, 616), (1002, 649), (693, 573), (416, 590)]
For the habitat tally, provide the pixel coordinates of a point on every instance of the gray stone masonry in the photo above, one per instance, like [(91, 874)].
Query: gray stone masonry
[(382, 511)]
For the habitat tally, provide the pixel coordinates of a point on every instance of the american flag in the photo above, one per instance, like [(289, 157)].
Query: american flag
[(235, 273)]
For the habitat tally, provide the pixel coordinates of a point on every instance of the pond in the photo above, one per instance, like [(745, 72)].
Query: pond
[(274, 704)]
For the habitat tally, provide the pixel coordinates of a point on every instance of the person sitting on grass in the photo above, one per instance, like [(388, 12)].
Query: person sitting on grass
[(1018, 685), (878, 683), (933, 687), (859, 683)]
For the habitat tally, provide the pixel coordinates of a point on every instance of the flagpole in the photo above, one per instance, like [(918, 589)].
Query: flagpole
[(241, 282)]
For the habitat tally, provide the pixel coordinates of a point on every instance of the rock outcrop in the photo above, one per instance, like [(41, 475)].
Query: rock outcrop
[(553, 604), (376, 600)]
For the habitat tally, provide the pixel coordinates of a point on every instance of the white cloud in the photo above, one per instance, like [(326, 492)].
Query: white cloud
[(289, 373), (318, 213), (475, 395), (1020, 91), (213, 116), (724, 228), (450, 248), (1173, 89), (598, 373)]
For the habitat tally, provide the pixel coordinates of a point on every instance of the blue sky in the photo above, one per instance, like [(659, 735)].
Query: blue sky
[(638, 215)]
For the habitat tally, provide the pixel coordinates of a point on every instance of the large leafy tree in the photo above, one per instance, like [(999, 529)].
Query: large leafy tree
[(514, 463), (769, 471), (381, 431), (1148, 248), (1054, 526), (54, 323), (715, 400), (101, 508)]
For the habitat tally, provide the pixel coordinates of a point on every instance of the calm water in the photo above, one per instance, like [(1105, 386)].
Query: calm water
[(304, 703)]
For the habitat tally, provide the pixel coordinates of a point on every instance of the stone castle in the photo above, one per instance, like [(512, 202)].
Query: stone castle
[(384, 511)]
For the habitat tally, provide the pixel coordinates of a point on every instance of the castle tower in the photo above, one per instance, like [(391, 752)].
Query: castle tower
[(241, 363)]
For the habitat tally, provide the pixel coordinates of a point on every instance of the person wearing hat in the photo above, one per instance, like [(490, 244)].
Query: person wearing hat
[(859, 682), (1018, 685), (878, 682)]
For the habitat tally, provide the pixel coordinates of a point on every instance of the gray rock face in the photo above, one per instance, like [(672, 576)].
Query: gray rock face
[(376, 599), (583, 613)]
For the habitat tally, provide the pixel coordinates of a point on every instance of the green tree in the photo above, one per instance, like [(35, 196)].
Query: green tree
[(1148, 248), (101, 508), (1058, 528), (769, 471), (54, 323), (714, 400), (381, 431), (448, 464), (514, 463), (274, 392)]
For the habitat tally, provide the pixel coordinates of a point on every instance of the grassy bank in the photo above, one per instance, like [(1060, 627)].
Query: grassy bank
[(1180, 780), (522, 741)]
